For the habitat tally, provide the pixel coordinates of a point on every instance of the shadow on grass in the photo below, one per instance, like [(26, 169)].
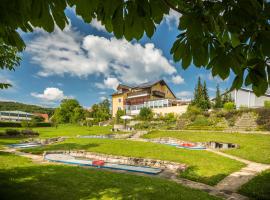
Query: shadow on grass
[(64, 182), (190, 173)]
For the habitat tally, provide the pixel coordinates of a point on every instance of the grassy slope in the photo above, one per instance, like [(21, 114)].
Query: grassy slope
[(22, 179), (254, 147), (71, 130), (205, 166), (259, 187)]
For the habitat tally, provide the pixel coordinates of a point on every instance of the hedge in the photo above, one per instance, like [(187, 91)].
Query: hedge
[(18, 124)]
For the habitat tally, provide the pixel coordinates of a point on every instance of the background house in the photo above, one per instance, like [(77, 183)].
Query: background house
[(156, 95), (247, 98)]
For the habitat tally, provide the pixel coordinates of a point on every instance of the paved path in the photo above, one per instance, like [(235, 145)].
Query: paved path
[(235, 180)]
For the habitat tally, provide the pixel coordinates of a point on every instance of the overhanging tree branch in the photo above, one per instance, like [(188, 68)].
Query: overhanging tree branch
[(170, 5)]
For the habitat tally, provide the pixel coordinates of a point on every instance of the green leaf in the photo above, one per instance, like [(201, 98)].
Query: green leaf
[(118, 22), (238, 82), (186, 57)]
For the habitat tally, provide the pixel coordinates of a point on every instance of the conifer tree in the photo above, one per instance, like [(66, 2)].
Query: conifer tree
[(218, 99), (207, 103), (201, 97)]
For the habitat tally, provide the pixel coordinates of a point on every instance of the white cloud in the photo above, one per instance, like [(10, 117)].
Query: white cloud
[(6, 80), (102, 92), (177, 79), (50, 94), (187, 95), (68, 52), (172, 20), (97, 25), (108, 83), (102, 98)]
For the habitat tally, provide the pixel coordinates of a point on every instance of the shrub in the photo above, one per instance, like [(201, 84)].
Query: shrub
[(229, 106), (169, 118), (118, 115), (143, 125), (264, 117), (10, 124), (25, 124), (267, 104), (194, 110), (12, 132), (29, 132), (201, 120), (43, 124), (146, 113)]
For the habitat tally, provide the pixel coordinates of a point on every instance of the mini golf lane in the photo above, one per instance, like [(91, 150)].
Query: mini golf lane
[(25, 145), (67, 159)]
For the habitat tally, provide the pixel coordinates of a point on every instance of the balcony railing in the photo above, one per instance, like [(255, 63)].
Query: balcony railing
[(137, 94)]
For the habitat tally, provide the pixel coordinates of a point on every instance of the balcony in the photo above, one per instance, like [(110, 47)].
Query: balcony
[(138, 94)]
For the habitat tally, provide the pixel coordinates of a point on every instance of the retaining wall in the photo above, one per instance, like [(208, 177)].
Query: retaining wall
[(165, 165)]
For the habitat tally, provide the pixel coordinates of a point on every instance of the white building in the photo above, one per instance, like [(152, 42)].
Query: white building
[(15, 116), (246, 97)]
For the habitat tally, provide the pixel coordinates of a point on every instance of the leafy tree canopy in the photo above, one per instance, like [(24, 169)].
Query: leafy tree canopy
[(9, 59), (223, 36), (101, 111), (69, 111)]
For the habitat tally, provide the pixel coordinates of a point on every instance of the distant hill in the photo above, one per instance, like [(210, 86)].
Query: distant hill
[(9, 105)]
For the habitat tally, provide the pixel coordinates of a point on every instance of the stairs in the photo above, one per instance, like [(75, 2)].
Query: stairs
[(246, 122)]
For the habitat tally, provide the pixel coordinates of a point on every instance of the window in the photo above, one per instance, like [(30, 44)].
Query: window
[(119, 108), (119, 100)]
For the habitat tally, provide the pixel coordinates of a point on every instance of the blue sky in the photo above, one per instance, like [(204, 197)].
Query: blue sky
[(85, 62)]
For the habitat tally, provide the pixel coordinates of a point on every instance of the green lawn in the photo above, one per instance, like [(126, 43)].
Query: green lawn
[(71, 130), (258, 187), (8, 141), (22, 179), (254, 147), (205, 166)]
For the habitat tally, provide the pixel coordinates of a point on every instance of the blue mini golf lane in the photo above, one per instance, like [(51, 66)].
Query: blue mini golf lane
[(25, 145), (67, 159)]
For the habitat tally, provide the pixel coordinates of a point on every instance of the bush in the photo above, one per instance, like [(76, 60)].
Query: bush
[(201, 120), (169, 118), (194, 110), (29, 132), (25, 124), (19, 124), (43, 124), (10, 124), (12, 132), (146, 113), (118, 115), (267, 104), (229, 106), (143, 125), (264, 118)]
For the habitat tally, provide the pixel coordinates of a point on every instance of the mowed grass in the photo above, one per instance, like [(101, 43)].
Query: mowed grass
[(22, 179), (254, 147), (70, 130), (204, 166), (258, 187)]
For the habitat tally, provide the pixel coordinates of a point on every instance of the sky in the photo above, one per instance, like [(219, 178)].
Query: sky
[(87, 63)]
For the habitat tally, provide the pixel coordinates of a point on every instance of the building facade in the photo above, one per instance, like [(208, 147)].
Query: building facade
[(156, 95), (15, 116), (245, 97)]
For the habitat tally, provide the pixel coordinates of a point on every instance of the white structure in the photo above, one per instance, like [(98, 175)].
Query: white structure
[(245, 97), (15, 116)]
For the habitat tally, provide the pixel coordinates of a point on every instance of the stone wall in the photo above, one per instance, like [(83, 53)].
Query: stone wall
[(165, 165), (210, 144)]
